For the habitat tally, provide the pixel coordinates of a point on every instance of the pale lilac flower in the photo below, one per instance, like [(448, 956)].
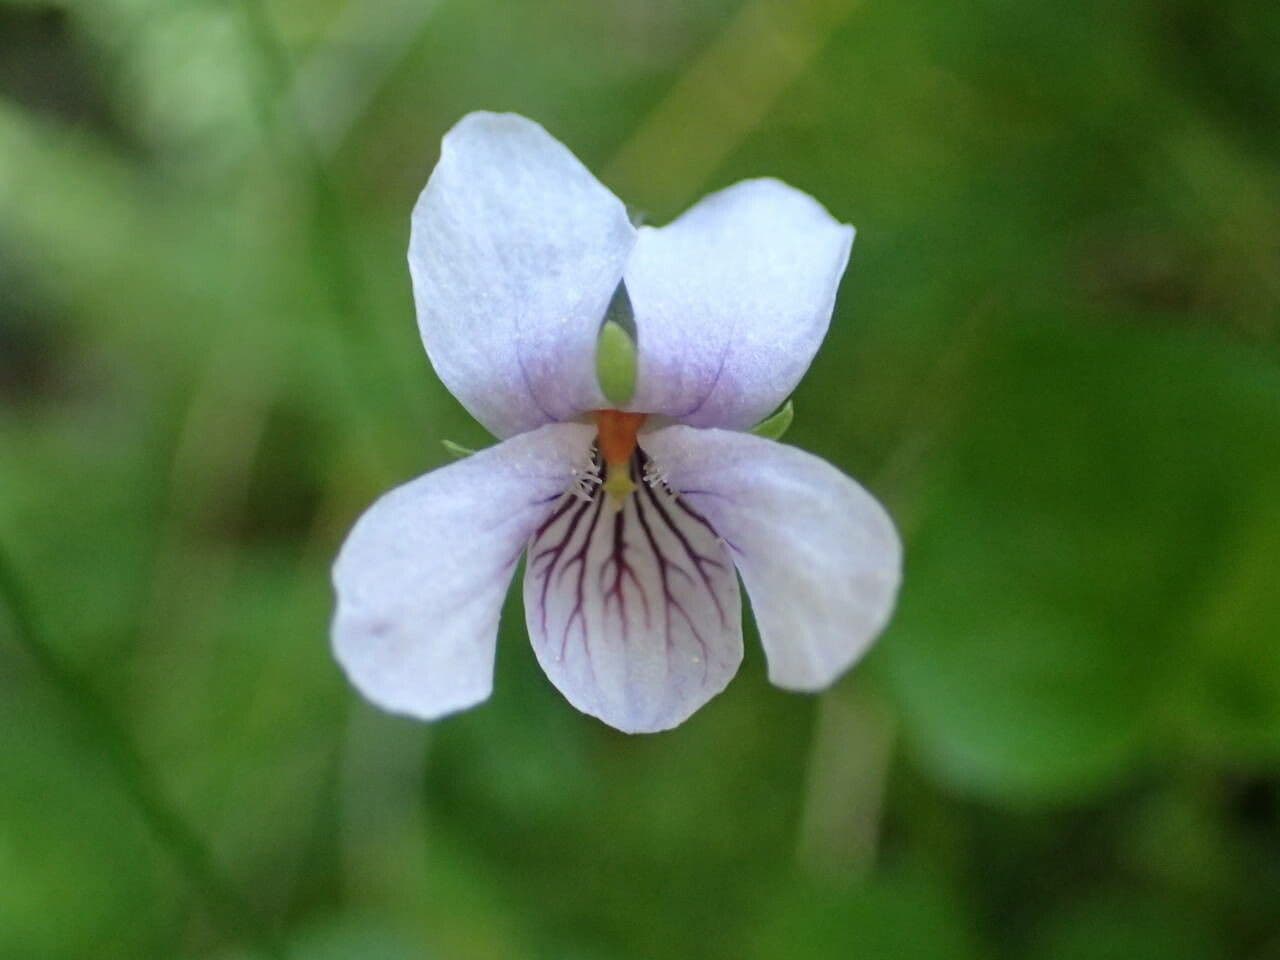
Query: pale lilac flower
[(632, 523)]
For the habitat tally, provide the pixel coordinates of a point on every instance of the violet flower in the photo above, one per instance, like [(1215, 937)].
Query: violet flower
[(633, 509)]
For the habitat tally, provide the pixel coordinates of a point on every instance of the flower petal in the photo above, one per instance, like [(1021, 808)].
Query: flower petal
[(422, 576), (819, 556), (515, 252), (732, 301), (634, 613)]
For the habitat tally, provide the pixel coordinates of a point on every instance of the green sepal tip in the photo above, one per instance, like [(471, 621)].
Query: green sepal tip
[(456, 450), (616, 363), (772, 428)]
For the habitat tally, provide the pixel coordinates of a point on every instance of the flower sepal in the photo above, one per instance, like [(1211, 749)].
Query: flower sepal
[(776, 426)]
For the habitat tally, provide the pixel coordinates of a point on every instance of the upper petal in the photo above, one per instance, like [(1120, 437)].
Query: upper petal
[(634, 613), (820, 558), (515, 251), (732, 300), (422, 576)]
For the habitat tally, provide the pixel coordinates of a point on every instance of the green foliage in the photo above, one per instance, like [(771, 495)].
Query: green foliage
[(1054, 358)]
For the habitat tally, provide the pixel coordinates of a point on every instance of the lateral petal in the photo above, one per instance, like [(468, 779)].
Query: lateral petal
[(820, 558), (421, 578)]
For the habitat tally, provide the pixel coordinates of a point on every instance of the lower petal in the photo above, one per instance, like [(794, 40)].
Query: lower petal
[(633, 609), (820, 558), (422, 576)]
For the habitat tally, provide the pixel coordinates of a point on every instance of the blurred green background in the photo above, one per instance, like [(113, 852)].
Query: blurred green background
[(1054, 357)]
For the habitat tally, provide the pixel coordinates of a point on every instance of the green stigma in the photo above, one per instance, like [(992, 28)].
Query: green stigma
[(618, 484)]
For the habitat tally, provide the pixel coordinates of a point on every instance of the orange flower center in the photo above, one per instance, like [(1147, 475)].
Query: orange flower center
[(617, 435)]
